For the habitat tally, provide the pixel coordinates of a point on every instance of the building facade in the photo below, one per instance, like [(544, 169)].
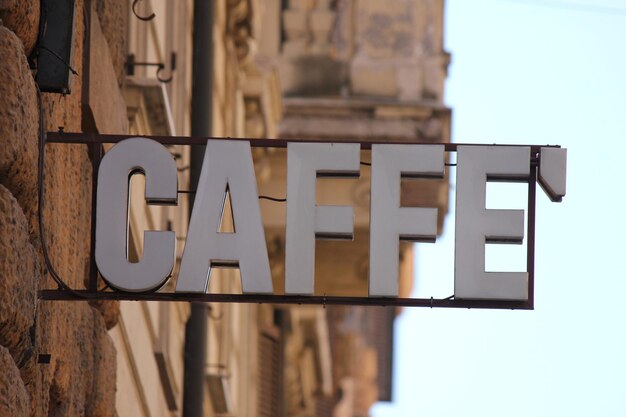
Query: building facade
[(297, 69)]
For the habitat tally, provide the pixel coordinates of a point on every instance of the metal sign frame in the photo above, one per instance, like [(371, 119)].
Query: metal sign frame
[(95, 144)]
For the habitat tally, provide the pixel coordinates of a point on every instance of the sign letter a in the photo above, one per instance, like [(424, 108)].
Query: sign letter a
[(227, 165)]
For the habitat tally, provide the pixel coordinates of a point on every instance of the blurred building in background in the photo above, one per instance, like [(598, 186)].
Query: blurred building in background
[(296, 69), (355, 70)]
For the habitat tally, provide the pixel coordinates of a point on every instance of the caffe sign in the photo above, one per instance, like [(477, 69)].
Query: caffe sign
[(228, 167)]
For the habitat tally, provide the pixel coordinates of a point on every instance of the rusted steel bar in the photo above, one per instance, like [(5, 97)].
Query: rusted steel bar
[(96, 152), (87, 138), (283, 299), (530, 247)]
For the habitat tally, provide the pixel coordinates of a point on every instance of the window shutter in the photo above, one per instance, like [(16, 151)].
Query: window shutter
[(270, 373)]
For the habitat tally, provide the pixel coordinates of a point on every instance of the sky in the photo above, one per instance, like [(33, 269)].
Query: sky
[(531, 72)]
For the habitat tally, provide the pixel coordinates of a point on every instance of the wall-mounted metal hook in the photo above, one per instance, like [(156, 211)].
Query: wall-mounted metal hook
[(131, 64), (144, 18)]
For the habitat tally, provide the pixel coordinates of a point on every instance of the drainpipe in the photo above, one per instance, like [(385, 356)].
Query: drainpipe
[(201, 121)]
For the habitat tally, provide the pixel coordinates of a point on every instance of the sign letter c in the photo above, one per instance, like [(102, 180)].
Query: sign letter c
[(117, 166)]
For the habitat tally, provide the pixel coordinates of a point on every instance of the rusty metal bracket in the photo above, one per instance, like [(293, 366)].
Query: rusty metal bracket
[(130, 65)]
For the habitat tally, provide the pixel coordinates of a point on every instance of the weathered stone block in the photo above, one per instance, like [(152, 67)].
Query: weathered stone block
[(110, 311), (113, 16), (80, 379), (105, 102), (18, 123), (22, 17), (101, 400), (411, 82), (311, 75), (296, 47), (373, 80), (14, 399), (19, 269), (435, 69)]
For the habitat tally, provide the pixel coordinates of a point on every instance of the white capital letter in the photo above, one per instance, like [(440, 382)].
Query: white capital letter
[(305, 220), (388, 221), (227, 165), (476, 225), (117, 165)]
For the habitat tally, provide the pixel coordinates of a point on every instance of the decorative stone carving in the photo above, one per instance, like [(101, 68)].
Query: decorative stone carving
[(254, 124), (296, 27), (239, 27), (322, 22), (308, 62), (391, 49)]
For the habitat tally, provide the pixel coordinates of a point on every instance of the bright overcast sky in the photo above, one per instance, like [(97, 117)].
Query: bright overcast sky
[(532, 72)]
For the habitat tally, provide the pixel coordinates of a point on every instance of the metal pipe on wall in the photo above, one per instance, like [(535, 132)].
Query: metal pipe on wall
[(201, 124)]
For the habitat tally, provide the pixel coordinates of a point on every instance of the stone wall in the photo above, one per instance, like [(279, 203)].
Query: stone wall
[(79, 380), (367, 48)]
